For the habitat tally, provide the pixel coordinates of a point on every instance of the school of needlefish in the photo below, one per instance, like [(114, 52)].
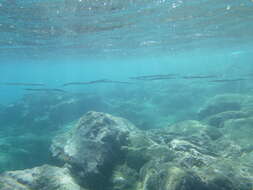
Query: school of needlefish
[(157, 77)]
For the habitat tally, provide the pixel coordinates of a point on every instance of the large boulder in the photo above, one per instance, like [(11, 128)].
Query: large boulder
[(142, 148), (124, 178), (223, 103), (29, 124), (187, 143), (239, 130), (106, 152), (219, 119), (156, 175), (226, 174), (237, 138), (93, 147), (192, 144), (186, 155), (45, 177)]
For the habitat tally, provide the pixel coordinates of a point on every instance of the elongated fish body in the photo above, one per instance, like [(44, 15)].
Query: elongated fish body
[(226, 80), (147, 77), (94, 82), (82, 83), (200, 77), (45, 89), (158, 78)]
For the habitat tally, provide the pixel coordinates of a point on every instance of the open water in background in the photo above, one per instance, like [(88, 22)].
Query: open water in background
[(59, 41)]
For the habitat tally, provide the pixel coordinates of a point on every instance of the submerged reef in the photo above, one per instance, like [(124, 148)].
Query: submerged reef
[(93, 147), (105, 152), (30, 123), (43, 177)]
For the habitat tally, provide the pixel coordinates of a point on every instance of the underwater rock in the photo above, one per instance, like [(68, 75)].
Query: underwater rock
[(192, 144), (136, 151), (239, 131), (29, 124), (106, 152), (197, 161), (167, 176), (187, 128), (124, 178), (226, 174), (45, 177), (195, 132), (186, 143), (223, 103), (93, 147), (189, 155), (218, 120), (141, 149)]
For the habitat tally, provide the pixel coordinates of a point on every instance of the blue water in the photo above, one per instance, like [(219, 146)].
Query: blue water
[(60, 41), (55, 72), (81, 29)]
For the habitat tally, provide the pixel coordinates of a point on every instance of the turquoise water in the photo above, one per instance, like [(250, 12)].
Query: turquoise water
[(61, 41), (58, 41)]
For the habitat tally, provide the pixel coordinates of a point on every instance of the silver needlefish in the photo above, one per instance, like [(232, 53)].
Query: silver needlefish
[(95, 81), (155, 77), (82, 83), (45, 89), (227, 80), (200, 76)]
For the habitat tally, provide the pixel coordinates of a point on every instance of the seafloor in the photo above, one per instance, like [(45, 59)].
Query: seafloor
[(185, 139)]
